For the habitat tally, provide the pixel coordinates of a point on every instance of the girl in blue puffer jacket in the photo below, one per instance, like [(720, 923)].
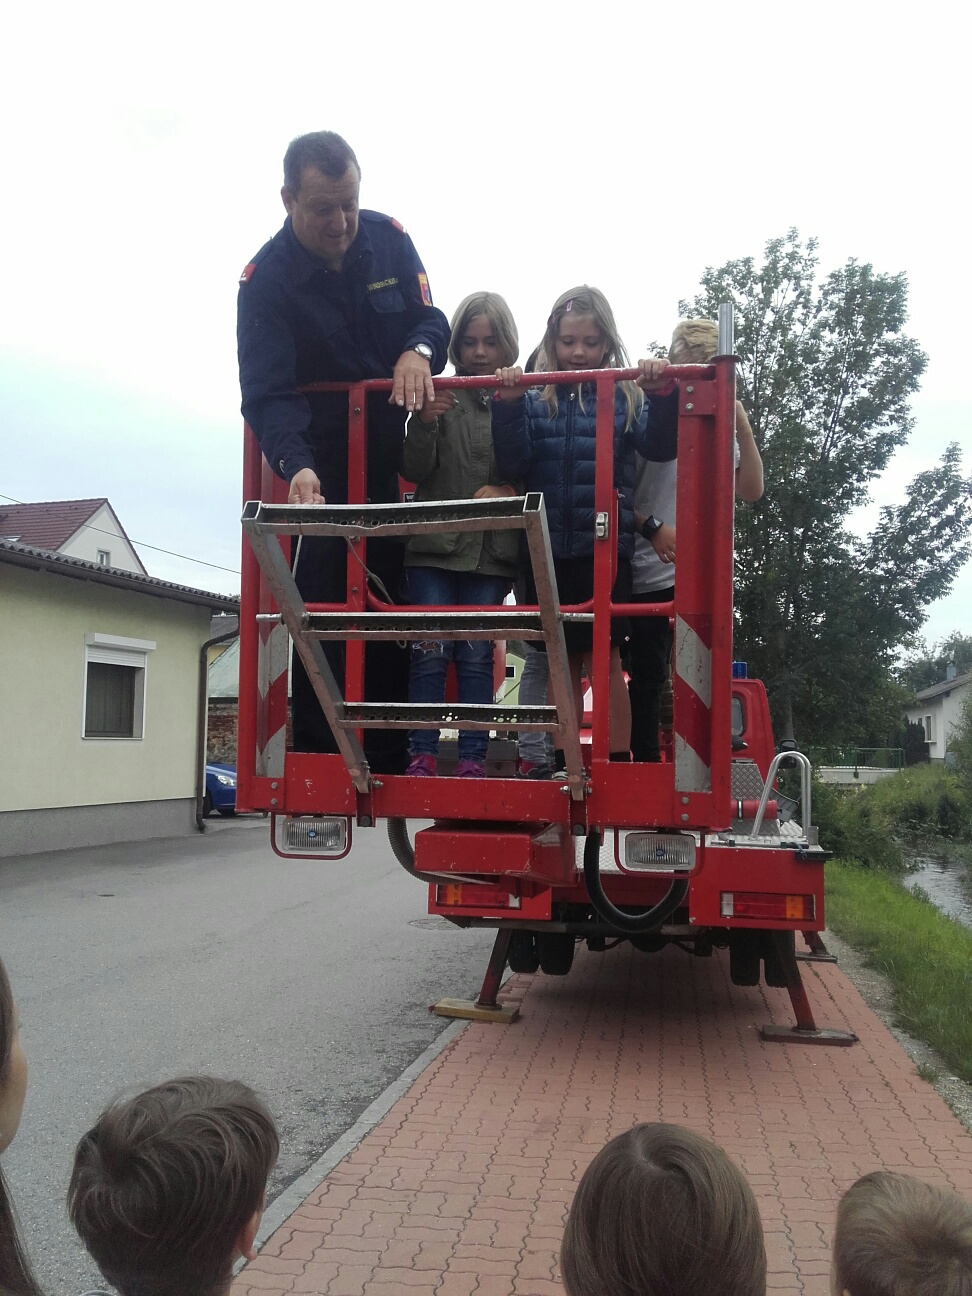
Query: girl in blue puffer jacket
[(547, 437)]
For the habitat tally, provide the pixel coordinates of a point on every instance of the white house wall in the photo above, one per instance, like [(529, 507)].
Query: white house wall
[(48, 771), (102, 532), (945, 711)]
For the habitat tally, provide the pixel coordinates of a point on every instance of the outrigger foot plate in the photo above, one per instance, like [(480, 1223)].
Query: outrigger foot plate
[(470, 1010), (794, 1035)]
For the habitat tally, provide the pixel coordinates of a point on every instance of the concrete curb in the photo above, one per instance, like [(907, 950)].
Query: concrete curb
[(284, 1205)]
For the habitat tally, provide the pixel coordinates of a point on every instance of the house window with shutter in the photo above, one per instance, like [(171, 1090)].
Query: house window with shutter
[(115, 669)]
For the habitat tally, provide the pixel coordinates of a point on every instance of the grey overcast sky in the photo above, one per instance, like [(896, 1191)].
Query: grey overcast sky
[(526, 148)]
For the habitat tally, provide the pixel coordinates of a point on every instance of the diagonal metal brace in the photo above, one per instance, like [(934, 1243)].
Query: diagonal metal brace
[(541, 559), (282, 585)]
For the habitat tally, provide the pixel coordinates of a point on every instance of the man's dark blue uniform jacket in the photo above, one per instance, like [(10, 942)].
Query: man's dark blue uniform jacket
[(299, 322)]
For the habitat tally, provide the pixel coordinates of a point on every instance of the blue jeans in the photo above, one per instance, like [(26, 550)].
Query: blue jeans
[(437, 587), (537, 748)]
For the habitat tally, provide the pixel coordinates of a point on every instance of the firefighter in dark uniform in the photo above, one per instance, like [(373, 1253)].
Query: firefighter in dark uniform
[(338, 295)]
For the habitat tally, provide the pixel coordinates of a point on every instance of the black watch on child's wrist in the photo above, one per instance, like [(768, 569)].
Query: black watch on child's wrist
[(650, 526)]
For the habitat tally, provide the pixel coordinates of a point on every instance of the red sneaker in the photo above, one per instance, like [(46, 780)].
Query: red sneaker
[(527, 770), (422, 767), (468, 768)]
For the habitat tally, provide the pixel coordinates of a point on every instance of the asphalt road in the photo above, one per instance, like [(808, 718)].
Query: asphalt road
[(134, 963)]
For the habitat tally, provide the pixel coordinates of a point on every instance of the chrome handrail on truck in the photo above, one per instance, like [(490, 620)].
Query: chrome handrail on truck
[(806, 779)]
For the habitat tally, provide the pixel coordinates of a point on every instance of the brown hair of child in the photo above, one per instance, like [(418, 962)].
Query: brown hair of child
[(167, 1187), (16, 1275), (662, 1210), (898, 1236)]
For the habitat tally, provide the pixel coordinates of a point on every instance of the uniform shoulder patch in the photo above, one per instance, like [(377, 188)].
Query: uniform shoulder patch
[(379, 218), (424, 289), (247, 272)]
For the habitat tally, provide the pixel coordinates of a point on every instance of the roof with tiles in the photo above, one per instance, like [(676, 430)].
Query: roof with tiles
[(38, 559), (46, 525), (944, 687)]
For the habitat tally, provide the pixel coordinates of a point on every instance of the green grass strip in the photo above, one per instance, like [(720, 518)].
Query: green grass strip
[(926, 956)]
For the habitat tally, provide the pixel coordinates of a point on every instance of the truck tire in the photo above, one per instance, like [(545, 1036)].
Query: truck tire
[(773, 972), (556, 950), (522, 955), (744, 954)]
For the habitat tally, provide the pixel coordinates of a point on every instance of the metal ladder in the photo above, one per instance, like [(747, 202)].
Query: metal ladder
[(263, 523)]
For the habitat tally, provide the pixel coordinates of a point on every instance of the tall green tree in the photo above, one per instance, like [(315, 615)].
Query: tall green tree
[(827, 373), (926, 666)]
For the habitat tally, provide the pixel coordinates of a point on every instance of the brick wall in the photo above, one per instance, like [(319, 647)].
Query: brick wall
[(221, 731)]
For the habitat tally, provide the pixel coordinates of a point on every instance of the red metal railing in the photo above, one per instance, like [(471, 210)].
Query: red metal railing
[(696, 791)]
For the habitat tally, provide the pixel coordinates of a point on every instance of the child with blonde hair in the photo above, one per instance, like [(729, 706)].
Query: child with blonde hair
[(548, 437), (898, 1236), (694, 341), (661, 1211), (448, 453)]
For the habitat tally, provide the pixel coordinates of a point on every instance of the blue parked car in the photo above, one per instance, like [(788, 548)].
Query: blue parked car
[(220, 790)]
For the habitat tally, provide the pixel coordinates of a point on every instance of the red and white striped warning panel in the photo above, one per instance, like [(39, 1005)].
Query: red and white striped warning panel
[(692, 688), (273, 659)]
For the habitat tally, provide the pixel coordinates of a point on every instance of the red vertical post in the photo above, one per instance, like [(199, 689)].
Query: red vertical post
[(702, 673), (724, 510), (605, 509), (357, 587), (249, 606)]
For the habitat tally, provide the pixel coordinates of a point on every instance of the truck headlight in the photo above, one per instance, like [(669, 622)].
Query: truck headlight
[(315, 836), (650, 852)]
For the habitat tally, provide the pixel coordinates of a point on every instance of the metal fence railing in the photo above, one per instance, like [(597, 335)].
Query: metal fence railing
[(855, 757)]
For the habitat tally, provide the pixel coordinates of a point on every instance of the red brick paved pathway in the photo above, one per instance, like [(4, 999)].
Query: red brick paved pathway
[(464, 1186)]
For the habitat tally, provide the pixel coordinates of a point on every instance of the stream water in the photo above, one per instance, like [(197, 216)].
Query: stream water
[(946, 880)]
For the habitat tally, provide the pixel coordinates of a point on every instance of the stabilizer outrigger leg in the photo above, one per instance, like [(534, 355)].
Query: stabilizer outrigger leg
[(806, 1030), (485, 1008), (816, 951)]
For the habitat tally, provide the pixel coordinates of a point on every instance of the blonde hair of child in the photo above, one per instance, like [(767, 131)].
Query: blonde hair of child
[(500, 317), (898, 1236), (694, 341), (585, 300)]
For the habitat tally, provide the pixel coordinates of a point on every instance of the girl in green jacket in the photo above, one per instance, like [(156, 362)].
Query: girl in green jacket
[(448, 454)]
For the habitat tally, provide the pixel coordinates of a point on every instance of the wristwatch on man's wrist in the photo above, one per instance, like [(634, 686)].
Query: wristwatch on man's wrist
[(650, 525), (423, 350)]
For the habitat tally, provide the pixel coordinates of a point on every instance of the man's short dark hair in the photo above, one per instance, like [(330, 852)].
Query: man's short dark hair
[(322, 149), (165, 1183)]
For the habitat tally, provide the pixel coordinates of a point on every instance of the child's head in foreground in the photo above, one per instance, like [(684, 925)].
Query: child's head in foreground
[(168, 1187), (662, 1210), (15, 1271), (897, 1236), (694, 341)]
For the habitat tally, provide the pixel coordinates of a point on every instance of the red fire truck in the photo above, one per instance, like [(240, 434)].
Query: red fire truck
[(697, 850)]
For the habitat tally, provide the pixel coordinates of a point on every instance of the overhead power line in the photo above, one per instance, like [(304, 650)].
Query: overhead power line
[(142, 544)]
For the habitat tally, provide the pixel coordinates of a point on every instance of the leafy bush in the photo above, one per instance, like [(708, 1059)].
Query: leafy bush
[(848, 827), (960, 746), (914, 744), (866, 823), (925, 799)]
